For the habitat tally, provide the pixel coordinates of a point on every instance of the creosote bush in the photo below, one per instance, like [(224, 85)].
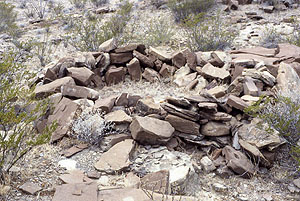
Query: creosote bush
[(90, 127), (19, 111), (182, 9), (271, 38), (208, 33), (89, 34), (282, 113)]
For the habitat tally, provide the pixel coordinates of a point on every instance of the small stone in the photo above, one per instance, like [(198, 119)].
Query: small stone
[(30, 188), (69, 164), (219, 187), (207, 164)]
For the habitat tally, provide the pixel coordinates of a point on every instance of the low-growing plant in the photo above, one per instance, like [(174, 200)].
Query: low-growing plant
[(182, 9), (79, 3), (7, 20), (88, 35), (36, 9), (90, 127), (295, 37), (18, 113), (271, 38), (282, 113), (208, 33)]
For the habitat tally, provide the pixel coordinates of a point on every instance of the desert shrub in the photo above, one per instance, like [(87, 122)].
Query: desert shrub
[(79, 3), (271, 38), (182, 9), (98, 2), (88, 35), (208, 33), (282, 113), (36, 9), (7, 19), (295, 38), (17, 133), (90, 127)]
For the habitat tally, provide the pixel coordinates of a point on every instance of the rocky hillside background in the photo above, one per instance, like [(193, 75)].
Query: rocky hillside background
[(149, 100)]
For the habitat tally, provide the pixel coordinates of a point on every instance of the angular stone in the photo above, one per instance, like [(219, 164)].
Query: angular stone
[(156, 182), (260, 51), (219, 116), (259, 137), (131, 180), (215, 129), (50, 75), (105, 104), (178, 59), (63, 114), (218, 91), (207, 164), (201, 60), (250, 87), (116, 158), (191, 59), (184, 113), (30, 188), (79, 92), (115, 75), (134, 69), (120, 58), (118, 117), (151, 131), (133, 99), (268, 9), (108, 45), (74, 149), (102, 62), (238, 162), (167, 70), (237, 102), (122, 100), (163, 56), (179, 177), (72, 177), (130, 48), (108, 141), (183, 125), (151, 75), (185, 80), (210, 71), (218, 58), (82, 76), (144, 60), (148, 106), (52, 87), (76, 192), (287, 79), (179, 102), (208, 107)]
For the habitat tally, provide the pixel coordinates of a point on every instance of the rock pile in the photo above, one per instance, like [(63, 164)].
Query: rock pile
[(224, 84)]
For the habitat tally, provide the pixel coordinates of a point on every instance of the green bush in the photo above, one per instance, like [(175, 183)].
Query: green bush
[(18, 114), (282, 114), (208, 33), (88, 35), (7, 19), (182, 9), (271, 38)]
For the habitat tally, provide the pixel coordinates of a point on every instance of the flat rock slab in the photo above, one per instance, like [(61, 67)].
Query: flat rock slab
[(73, 177), (79, 92), (74, 149), (148, 130), (76, 192), (116, 158), (213, 128), (30, 188), (118, 117), (261, 51), (82, 76), (156, 182), (214, 72), (183, 125)]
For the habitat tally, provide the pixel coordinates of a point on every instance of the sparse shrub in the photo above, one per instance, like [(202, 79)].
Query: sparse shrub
[(36, 9), (17, 133), (79, 3), (7, 19), (86, 35), (271, 38), (182, 9), (98, 3), (90, 127), (282, 113), (208, 33), (295, 38)]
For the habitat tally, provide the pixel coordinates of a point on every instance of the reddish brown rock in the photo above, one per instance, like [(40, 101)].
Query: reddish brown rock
[(148, 106), (79, 92), (144, 60), (130, 48), (134, 69), (209, 71), (167, 70), (213, 128), (178, 59), (122, 100), (52, 87), (156, 182), (105, 104), (151, 131), (151, 75), (236, 102), (115, 75), (30, 188), (191, 59), (238, 162), (120, 58), (82, 76), (183, 125), (161, 55)]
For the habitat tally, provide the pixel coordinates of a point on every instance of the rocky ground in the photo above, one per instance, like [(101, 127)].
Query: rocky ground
[(178, 128)]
